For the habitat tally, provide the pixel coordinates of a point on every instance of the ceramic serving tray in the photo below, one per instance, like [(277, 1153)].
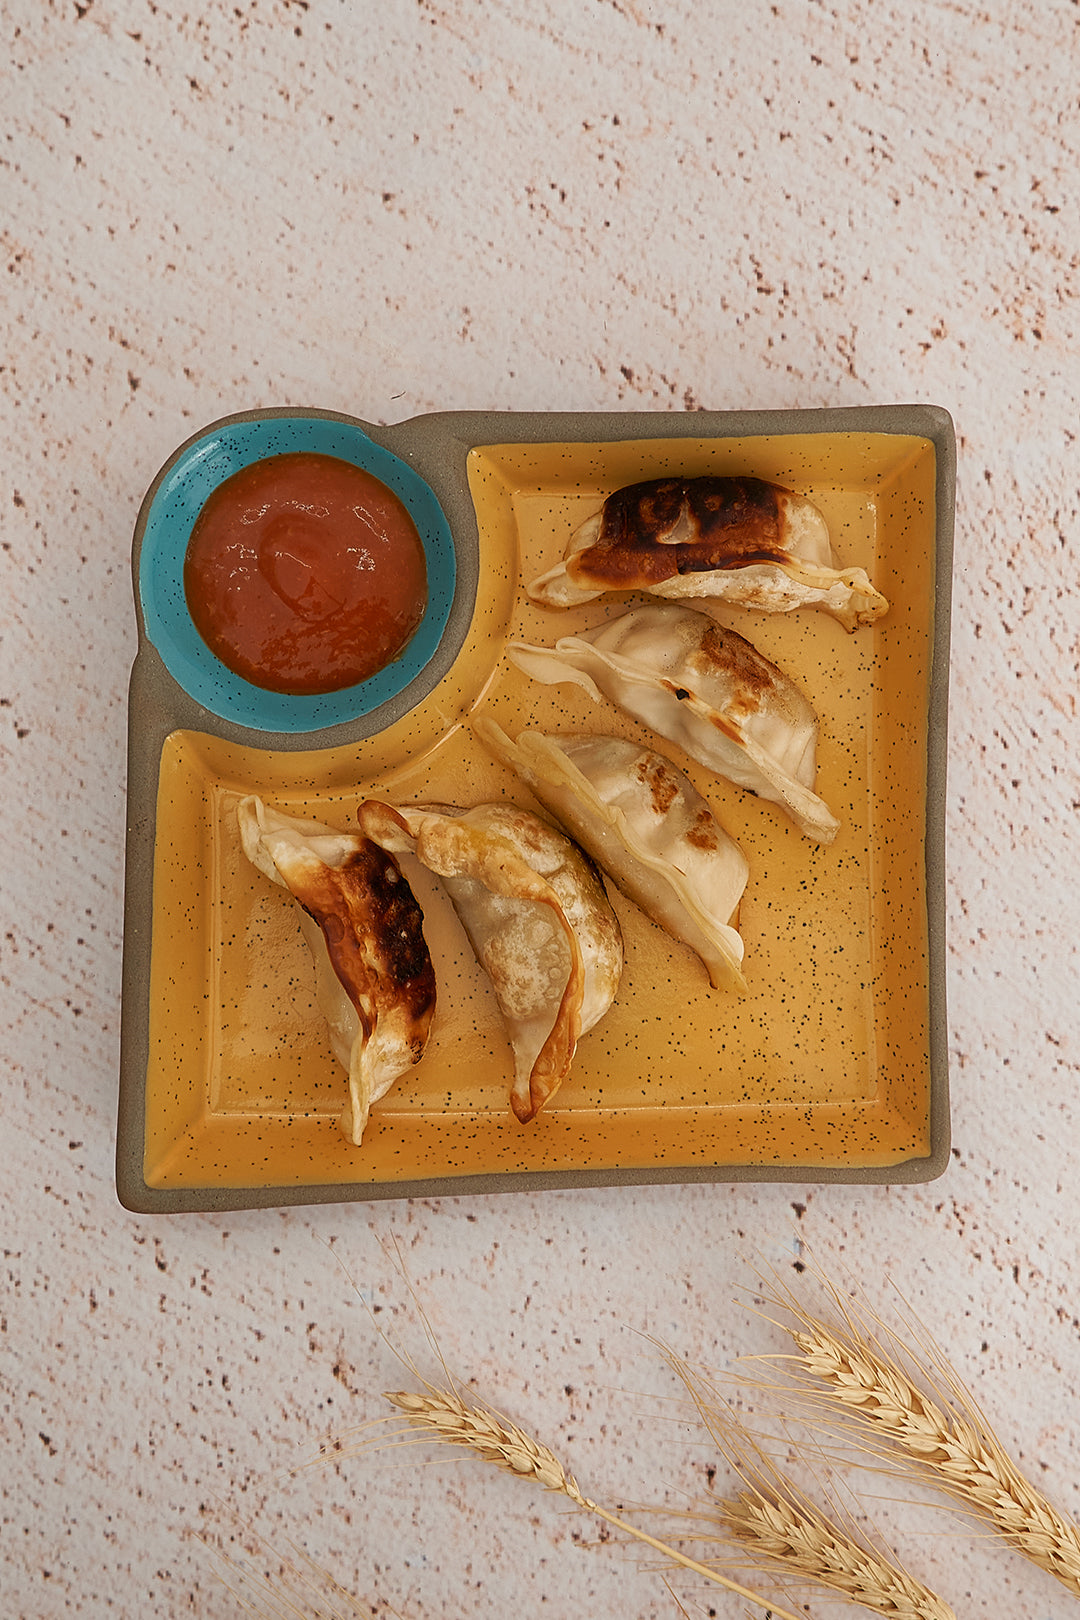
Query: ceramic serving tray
[(831, 1068)]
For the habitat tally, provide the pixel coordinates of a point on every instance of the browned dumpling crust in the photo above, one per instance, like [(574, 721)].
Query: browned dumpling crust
[(728, 522), (742, 540), (373, 930), (375, 981)]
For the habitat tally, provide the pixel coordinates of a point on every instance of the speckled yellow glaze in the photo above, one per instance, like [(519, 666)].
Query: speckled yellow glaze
[(824, 1063)]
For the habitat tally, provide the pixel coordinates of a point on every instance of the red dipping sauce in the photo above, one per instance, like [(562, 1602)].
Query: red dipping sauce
[(305, 574)]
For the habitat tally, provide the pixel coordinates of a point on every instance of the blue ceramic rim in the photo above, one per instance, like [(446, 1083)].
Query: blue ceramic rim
[(186, 485)]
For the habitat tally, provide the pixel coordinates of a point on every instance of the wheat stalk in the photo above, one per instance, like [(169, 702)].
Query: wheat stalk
[(958, 1451), (444, 1415), (449, 1418), (810, 1548), (776, 1522)]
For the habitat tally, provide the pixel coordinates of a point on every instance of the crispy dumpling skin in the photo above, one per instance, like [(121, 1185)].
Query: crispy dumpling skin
[(707, 689), (645, 825), (374, 979), (741, 540), (537, 917)]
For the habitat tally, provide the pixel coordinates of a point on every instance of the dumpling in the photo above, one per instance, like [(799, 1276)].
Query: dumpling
[(705, 688), (740, 539), (647, 827), (537, 917), (374, 980)]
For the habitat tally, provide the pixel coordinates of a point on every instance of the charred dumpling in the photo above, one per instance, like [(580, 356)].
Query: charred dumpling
[(742, 540), (537, 917), (374, 978), (706, 688)]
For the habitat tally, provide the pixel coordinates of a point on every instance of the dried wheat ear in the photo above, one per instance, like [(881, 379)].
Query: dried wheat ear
[(442, 1414), (775, 1525), (947, 1442)]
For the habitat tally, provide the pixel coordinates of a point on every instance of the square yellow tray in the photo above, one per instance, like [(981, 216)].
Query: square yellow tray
[(832, 1067)]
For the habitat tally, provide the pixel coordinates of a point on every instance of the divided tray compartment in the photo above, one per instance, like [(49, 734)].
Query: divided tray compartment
[(832, 1068)]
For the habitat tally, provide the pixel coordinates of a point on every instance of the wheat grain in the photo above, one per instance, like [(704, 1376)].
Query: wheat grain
[(775, 1522), (444, 1415), (493, 1438), (957, 1450), (810, 1548)]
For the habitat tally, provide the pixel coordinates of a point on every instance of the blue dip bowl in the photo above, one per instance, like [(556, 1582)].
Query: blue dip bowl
[(185, 485)]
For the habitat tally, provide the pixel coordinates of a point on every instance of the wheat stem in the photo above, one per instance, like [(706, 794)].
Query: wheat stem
[(958, 1451), (447, 1417), (776, 1522)]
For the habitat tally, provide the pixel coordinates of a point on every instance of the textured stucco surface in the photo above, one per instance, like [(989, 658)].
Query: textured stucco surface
[(393, 208)]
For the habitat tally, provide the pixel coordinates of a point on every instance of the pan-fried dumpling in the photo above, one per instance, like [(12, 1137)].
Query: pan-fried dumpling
[(537, 917), (374, 980), (739, 539), (647, 827), (705, 688)]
